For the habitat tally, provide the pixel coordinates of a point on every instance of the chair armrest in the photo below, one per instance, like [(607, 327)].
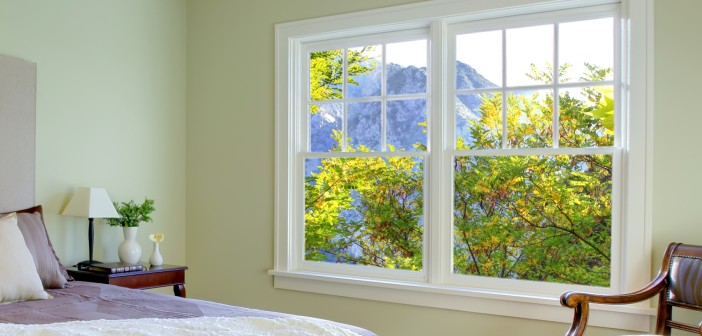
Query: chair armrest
[(571, 299), (580, 302)]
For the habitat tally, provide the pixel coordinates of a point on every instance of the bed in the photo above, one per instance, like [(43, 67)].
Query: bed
[(37, 295), (99, 309)]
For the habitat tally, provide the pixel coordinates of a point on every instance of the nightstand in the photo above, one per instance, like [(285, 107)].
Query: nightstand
[(153, 277)]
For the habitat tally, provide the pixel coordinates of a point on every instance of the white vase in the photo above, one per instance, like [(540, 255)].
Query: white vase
[(129, 250), (156, 259)]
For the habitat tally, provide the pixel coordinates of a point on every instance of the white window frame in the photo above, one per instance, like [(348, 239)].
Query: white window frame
[(435, 287), (387, 38), (563, 16)]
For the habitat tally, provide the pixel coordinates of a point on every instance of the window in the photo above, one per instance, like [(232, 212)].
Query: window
[(364, 176), (464, 161), (534, 152)]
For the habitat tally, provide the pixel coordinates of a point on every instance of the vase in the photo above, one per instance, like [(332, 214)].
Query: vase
[(156, 259), (129, 250)]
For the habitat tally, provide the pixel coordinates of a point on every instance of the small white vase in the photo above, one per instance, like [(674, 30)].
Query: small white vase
[(156, 259), (129, 250)]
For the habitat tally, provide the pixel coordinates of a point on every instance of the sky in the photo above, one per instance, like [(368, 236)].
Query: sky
[(580, 41)]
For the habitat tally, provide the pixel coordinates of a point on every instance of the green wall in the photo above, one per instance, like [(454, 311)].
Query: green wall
[(231, 163), (678, 120), (110, 112), (153, 98)]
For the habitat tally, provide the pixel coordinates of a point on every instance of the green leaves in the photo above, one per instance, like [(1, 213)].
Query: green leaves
[(530, 217), (541, 218), (132, 214), (365, 211), (327, 72)]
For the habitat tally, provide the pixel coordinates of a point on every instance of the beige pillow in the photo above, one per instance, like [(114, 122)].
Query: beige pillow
[(20, 280), (51, 271)]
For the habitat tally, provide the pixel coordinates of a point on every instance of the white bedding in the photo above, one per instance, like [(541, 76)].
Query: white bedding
[(197, 326)]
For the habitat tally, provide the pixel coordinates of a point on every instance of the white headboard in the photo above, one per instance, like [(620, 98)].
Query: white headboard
[(18, 87)]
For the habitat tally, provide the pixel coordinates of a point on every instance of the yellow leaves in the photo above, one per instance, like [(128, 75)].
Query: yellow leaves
[(605, 110), (482, 188), (487, 266)]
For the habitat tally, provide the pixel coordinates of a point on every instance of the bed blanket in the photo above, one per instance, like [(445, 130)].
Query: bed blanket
[(91, 301), (198, 326)]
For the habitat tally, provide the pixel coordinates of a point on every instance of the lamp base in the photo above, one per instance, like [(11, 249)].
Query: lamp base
[(84, 265)]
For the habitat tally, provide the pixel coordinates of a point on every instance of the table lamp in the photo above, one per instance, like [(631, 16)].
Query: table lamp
[(91, 203)]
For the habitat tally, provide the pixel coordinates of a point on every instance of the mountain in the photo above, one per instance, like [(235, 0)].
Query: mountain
[(403, 115)]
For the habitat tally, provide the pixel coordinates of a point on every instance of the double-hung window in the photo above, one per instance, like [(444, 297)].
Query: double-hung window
[(364, 152), (464, 160)]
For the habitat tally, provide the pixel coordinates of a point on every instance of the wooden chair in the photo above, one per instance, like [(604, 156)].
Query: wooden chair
[(678, 284)]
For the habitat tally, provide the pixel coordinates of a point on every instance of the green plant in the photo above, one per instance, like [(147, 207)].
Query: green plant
[(132, 213)]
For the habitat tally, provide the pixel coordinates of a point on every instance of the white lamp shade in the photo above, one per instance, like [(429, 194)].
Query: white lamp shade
[(91, 203)]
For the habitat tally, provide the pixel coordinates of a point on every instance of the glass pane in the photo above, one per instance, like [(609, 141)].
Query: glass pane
[(479, 60), (326, 74), (325, 127), (530, 55), (529, 119), (364, 126), (586, 50), (312, 166), (479, 121), (406, 67), (540, 218), (586, 117), (407, 124), (365, 211), (364, 71)]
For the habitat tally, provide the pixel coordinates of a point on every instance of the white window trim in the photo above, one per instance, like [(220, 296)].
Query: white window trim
[(434, 291)]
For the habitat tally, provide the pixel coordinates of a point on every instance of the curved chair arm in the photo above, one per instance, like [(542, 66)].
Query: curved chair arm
[(580, 302)]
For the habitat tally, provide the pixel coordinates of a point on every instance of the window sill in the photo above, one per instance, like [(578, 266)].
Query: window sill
[(521, 305)]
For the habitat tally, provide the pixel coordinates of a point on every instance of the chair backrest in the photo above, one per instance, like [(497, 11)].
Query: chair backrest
[(682, 268)]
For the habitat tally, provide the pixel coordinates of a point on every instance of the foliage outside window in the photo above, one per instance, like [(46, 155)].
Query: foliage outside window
[(364, 197), (544, 217)]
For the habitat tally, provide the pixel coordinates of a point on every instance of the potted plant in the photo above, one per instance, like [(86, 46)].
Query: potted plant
[(131, 215)]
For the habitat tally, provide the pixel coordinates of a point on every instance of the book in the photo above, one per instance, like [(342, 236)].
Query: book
[(116, 267)]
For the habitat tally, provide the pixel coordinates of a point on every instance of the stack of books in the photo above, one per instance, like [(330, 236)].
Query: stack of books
[(116, 267)]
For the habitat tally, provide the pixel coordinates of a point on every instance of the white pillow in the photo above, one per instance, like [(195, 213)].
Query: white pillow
[(19, 280)]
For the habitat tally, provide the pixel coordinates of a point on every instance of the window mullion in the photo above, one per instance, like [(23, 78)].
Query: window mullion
[(438, 178), (384, 100), (344, 97), (504, 91), (556, 80)]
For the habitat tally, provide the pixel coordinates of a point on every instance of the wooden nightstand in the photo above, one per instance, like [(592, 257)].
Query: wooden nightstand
[(154, 276)]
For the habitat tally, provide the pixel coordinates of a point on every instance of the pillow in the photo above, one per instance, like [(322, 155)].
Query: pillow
[(20, 280), (51, 271)]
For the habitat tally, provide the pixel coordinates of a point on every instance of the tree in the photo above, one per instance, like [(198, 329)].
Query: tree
[(360, 210), (536, 217), (327, 71), (365, 211), (531, 217)]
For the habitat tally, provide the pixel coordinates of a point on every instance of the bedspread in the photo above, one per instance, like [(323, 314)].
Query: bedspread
[(196, 326), (92, 301)]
